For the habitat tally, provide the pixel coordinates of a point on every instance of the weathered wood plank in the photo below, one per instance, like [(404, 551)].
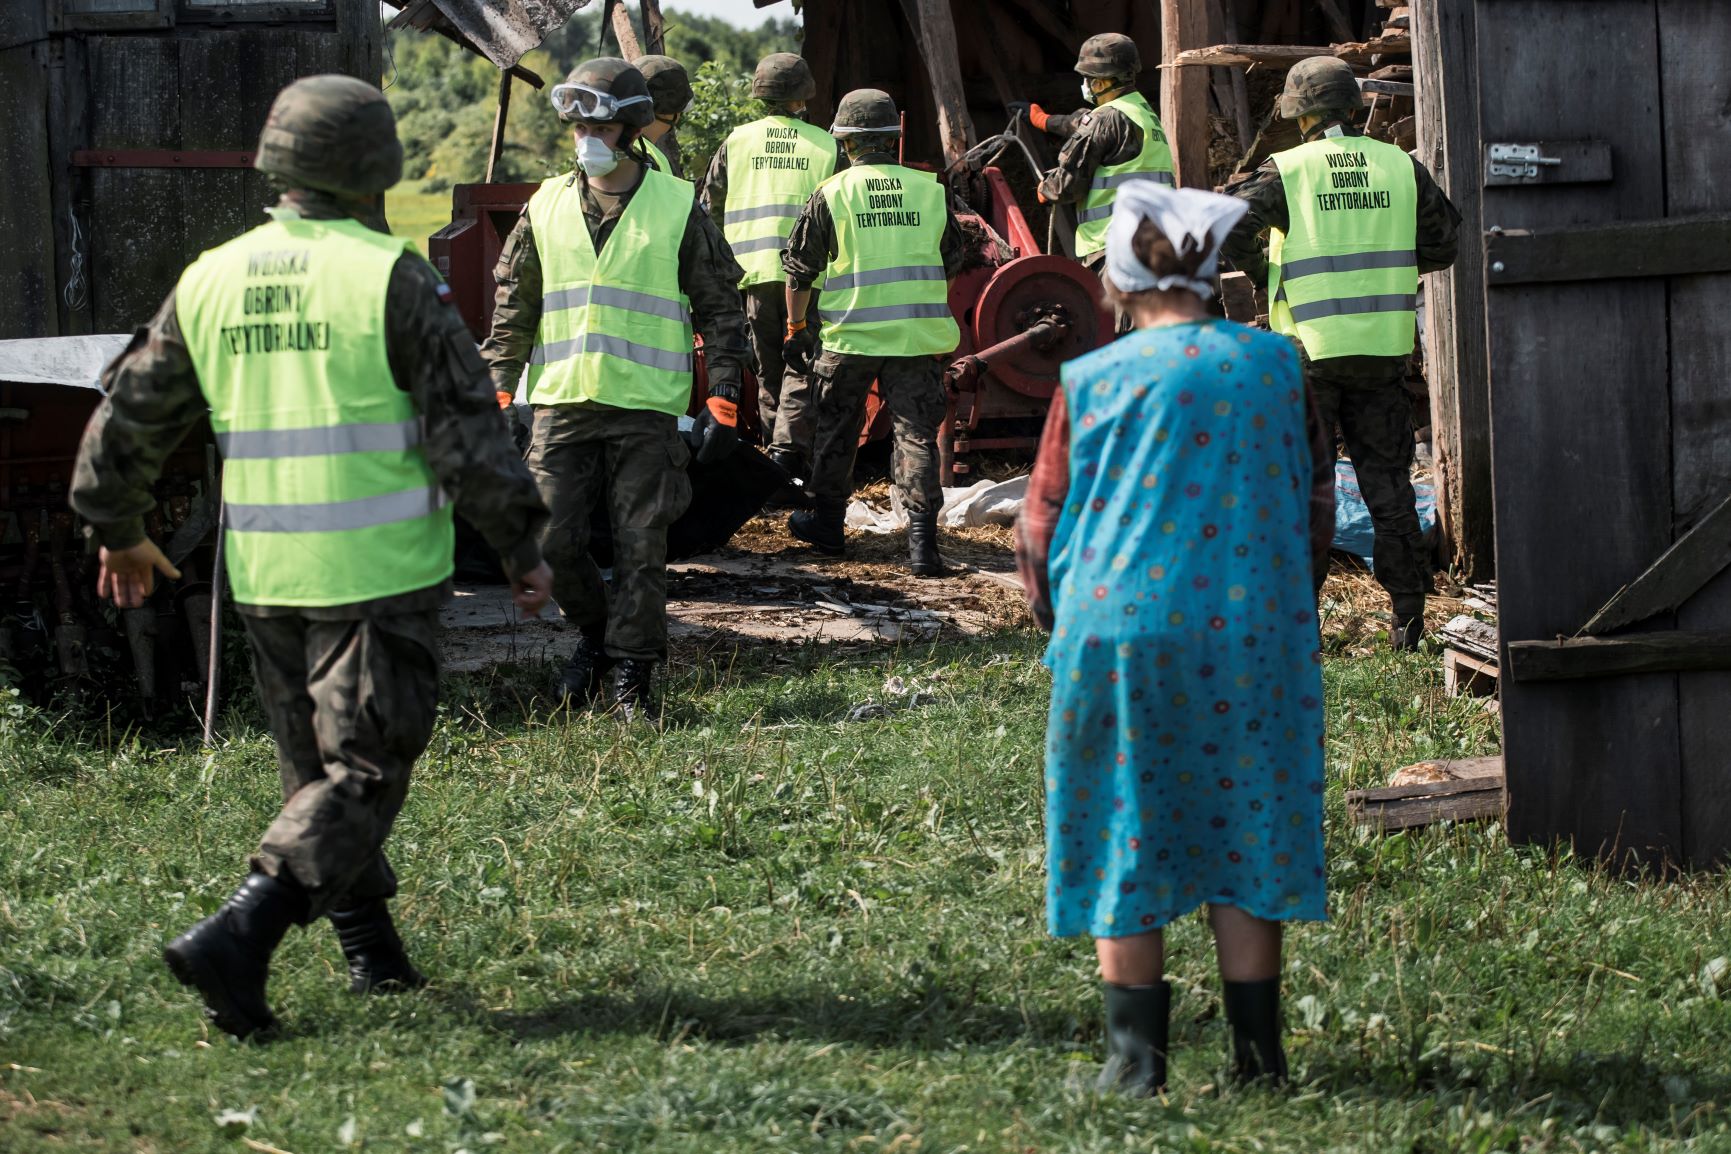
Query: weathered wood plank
[(273, 61), (1184, 92), (138, 218), (1694, 43), (27, 281), (1589, 762), (1578, 657), (1667, 246), (1445, 68), (1411, 806), (1685, 567), (1286, 55), (211, 117)]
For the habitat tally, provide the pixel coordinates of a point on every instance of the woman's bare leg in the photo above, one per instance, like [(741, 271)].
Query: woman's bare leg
[(1248, 947), (1139, 960)]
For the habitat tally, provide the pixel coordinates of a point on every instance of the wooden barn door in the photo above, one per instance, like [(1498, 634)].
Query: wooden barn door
[(1606, 126)]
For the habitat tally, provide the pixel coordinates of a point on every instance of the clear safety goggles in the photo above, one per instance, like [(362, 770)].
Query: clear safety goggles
[(837, 130), (585, 103)]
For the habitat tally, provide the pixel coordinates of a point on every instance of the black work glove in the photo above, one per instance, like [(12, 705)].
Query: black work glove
[(716, 430), (798, 349)]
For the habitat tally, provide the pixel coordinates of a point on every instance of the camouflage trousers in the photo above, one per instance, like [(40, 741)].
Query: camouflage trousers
[(784, 408), (1375, 421), (913, 390), (351, 705), (636, 458)]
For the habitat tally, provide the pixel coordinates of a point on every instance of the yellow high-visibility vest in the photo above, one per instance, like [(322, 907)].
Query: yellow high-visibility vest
[(1154, 162), (773, 167)]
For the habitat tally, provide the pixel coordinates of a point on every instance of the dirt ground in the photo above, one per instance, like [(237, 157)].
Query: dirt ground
[(767, 587)]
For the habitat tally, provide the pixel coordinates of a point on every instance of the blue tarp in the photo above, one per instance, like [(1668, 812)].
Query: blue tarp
[(1353, 532)]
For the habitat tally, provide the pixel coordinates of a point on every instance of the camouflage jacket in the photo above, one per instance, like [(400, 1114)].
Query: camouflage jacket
[(154, 400), (1246, 247), (708, 275), (665, 158), (713, 191), (1097, 137), (811, 244)]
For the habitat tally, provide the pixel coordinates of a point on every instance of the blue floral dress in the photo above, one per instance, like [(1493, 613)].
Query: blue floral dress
[(1184, 759)]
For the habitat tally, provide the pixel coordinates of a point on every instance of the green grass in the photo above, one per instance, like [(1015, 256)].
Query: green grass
[(767, 928), (415, 213)]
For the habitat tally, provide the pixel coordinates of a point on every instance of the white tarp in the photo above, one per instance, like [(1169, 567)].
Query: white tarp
[(77, 361), (982, 503)]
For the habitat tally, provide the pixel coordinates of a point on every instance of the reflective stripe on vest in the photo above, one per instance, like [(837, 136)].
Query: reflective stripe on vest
[(1343, 278), (773, 167), (885, 294), (1154, 162), (615, 328), (328, 496)]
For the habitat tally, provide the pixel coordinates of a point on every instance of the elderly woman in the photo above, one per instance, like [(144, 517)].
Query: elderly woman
[(1173, 526)]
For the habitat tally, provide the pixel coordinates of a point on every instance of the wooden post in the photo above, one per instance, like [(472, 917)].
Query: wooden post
[(1445, 58), (624, 32), (654, 34), (935, 26), (1184, 91), (499, 115)]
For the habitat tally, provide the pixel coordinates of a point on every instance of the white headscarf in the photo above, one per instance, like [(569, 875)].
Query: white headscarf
[(1188, 217)]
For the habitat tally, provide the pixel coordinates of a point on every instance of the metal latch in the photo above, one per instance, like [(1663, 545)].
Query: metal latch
[(1520, 161)]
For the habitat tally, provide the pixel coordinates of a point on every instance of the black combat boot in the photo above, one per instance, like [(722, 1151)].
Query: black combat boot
[(791, 495), (823, 526), (923, 559), (634, 689), (1136, 1029), (580, 680), (226, 957), (1253, 1011), (378, 964), (1408, 628)]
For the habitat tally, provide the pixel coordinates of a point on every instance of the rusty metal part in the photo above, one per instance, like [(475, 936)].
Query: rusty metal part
[(1026, 291)]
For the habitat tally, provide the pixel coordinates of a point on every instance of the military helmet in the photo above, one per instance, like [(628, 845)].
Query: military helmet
[(866, 111), (669, 86), (605, 90), (1109, 54), (783, 76), (333, 133), (1318, 85)]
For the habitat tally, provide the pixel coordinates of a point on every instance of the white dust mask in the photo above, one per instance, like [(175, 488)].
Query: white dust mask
[(594, 157)]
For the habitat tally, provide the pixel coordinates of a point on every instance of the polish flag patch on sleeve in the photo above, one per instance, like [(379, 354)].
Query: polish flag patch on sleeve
[(444, 291)]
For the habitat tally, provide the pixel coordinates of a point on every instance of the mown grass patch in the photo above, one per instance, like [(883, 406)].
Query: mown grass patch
[(770, 928), (416, 213)]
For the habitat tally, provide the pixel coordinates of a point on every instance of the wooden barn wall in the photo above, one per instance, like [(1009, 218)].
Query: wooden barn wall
[(1025, 48), (198, 86), (27, 282)]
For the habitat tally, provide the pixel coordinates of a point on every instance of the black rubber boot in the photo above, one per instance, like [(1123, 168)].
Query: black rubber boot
[(1408, 628), (1253, 1011), (923, 559), (226, 957), (634, 689), (580, 680), (1136, 1029), (378, 964), (791, 495), (822, 526)]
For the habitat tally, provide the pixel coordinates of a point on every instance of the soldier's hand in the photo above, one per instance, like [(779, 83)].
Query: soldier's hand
[(128, 576), (798, 347), (531, 590), (717, 429)]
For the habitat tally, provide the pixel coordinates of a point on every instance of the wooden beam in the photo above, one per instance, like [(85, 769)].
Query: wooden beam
[(620, 21), (935, 28), (1286, 55), (1679, 573), (1409, 806), (500, 114), (1669, 246), (1183, 93), (654, 28), (1338, 24), (1040, 12), (1670, 652)]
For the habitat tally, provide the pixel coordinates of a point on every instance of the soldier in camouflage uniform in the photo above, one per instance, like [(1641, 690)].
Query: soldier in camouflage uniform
[(606, 389), (1364, 395), (350, 689), (903, 352), (1104, 136), (783, 81), (670, 90)]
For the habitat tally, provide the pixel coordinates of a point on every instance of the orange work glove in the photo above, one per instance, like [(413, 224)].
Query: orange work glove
[(724, 411), (1038, 116), (503, 398)]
